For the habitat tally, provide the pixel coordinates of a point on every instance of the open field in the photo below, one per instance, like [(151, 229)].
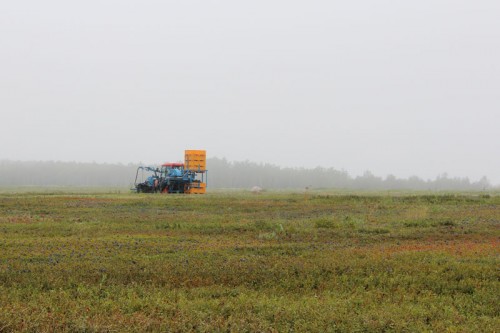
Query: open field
[(239, 262)]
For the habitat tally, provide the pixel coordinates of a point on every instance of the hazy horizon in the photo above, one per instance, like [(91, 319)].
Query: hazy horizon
[(248, 162), (402, 88), (224, 174)]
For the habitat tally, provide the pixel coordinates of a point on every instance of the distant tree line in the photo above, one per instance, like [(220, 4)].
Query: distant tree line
[(222, 174)]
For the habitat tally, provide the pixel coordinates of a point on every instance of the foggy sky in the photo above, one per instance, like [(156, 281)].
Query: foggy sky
[(395, 87)]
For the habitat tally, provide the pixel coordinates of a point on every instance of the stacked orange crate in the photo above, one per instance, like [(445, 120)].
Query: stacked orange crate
[(196, 160)]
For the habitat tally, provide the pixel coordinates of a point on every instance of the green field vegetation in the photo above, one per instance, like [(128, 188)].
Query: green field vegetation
[(279, 262)]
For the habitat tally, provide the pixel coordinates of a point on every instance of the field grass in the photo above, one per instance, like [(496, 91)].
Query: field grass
[(279, 262)]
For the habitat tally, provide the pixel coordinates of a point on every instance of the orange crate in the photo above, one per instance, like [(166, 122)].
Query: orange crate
[(196, 188), (195, 160)]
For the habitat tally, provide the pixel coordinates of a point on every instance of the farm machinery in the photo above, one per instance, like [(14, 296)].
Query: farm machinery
[(189, 177)]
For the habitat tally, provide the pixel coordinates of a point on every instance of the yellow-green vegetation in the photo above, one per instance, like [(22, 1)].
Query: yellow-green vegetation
[(240, 262)]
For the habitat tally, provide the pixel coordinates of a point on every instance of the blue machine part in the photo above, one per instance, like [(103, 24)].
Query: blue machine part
[(175, 172), (189, 176), (151, 180)]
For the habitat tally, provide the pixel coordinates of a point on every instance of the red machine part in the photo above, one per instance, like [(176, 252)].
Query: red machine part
[(174, 165)]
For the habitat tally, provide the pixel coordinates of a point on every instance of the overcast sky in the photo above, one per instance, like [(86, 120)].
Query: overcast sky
[(395, 87)]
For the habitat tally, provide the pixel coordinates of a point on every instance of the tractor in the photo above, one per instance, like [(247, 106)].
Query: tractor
[(189, 177)]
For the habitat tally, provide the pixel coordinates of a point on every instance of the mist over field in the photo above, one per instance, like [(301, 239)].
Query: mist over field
[(404, 88), (223, 174)]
